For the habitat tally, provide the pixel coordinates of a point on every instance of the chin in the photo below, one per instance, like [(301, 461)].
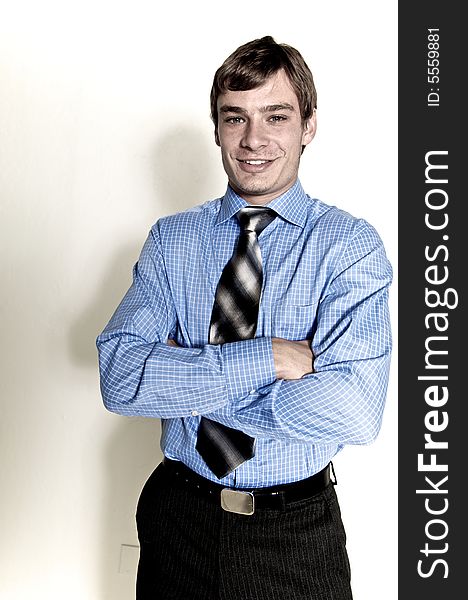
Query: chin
[(256, 187)]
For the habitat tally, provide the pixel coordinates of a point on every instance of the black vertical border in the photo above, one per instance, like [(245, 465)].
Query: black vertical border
[(437, 515)]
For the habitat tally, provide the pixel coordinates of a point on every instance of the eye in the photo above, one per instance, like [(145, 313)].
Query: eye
[(234, 120), (277, 118)]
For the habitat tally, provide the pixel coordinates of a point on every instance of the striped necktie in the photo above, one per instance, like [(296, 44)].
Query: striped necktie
[(234, 318)]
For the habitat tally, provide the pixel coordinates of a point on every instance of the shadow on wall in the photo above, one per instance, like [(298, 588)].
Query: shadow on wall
[(132, 454), (129, 450), (184, 171), (184, 168), (187, 165), (117, 280)]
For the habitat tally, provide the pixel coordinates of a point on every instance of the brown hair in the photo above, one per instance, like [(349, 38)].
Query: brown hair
[(253, 63)]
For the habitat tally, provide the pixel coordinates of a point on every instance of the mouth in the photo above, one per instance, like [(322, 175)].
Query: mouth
[(254, 162), (254, 165)]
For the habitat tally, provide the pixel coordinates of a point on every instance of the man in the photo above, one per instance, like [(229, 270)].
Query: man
[(257, 329)]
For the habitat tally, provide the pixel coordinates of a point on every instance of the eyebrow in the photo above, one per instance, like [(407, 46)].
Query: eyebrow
[(265, 109)]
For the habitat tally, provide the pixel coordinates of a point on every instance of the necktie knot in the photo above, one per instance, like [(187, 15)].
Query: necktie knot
[(253, 218)]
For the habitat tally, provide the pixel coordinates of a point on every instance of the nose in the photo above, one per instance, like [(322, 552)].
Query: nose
[(254, 135)]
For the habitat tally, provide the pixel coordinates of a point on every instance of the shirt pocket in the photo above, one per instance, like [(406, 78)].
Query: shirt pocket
[(294, 321)]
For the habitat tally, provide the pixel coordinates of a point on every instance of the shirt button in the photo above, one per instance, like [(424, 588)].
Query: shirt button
[(195, 413), (252, 392)]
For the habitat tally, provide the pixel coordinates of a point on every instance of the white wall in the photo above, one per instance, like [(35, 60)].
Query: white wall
[(104, 127)]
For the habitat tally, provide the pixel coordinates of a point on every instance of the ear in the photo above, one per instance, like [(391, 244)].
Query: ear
[(310, 127), (216, 136)]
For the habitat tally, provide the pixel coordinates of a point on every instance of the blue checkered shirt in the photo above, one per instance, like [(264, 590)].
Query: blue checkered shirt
[(326, 278)]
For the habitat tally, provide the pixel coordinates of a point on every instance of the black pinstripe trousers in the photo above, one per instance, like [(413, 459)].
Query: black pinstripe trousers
[(191, 549)]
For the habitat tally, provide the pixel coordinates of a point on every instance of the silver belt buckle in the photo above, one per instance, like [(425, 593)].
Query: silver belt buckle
[(237, 501)]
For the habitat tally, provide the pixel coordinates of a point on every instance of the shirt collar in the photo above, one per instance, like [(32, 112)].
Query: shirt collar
[(291, 206)]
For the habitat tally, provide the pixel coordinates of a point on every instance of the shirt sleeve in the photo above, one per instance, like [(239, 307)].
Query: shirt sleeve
[(141, 375), (343, 400)]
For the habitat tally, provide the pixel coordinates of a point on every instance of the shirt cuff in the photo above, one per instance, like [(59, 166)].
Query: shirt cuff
[(248, 365)]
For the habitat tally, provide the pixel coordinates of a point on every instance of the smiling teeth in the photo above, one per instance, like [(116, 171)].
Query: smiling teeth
[(255, 162)]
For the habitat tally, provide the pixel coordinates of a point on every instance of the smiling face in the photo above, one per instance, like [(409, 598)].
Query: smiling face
[(261, 135)]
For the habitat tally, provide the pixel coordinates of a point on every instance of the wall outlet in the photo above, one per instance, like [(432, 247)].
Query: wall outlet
[(129, 556)]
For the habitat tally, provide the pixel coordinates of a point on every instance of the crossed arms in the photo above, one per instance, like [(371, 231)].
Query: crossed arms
[(328, 390)]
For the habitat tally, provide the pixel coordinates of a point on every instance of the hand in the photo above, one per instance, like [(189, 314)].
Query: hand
[(172, 343), (293, 359)]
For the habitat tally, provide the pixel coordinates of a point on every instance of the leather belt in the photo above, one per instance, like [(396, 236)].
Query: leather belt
[(246, 500)]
